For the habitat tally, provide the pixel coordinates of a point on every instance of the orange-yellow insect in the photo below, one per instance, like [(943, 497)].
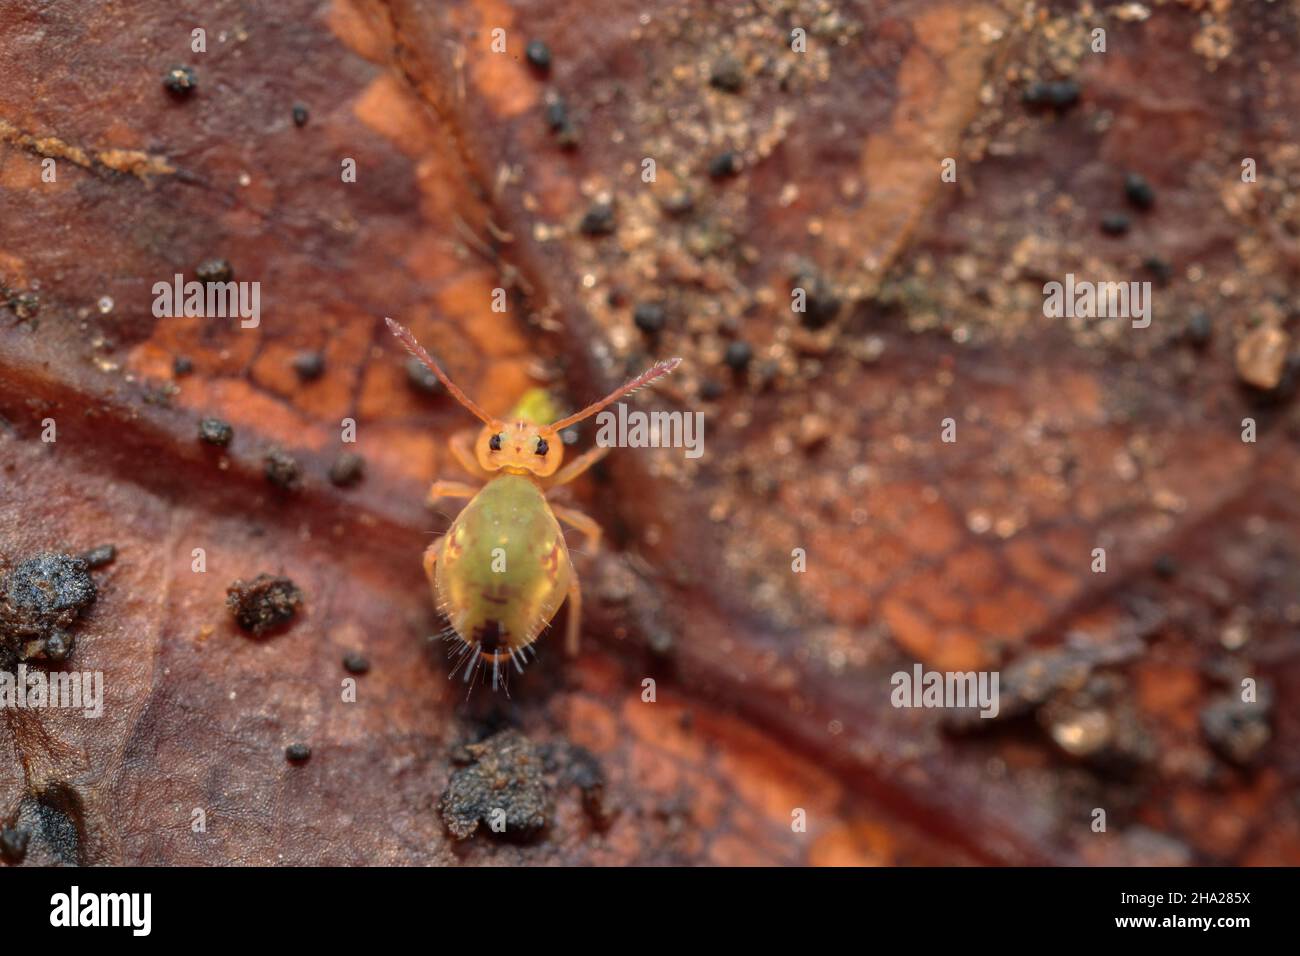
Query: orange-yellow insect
[(502, 570)]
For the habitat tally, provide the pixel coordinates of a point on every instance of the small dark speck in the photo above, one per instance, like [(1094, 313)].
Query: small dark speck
[(348, 469), (420, 378), (1114, 224), (649, 317), (182, 365), (309, 365), (181, 80), (297, 753), (1058, 95), (282, 470), (1166, 567), (1199, 329), (355, 663), (557, 118), (1160, 270), (300, 115), (822, 305), (214, 431), (727, 75), (724, 165), (598, 220), (738, 355), (1139, 191), (711, 390), (539, 55), (557, 113), (98, 557)]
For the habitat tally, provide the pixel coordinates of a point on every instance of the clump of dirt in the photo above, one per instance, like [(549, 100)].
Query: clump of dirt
[(181, 80), (1238, 730), (214, 431), (265, 605), (40, 601), (282, 470), (501, 783), (348, 469)]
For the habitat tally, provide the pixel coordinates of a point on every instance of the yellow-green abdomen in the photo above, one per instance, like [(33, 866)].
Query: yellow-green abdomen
[(504, 568)]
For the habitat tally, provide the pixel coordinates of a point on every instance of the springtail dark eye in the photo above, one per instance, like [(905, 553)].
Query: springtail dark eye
[(495, 443), (542, 447)]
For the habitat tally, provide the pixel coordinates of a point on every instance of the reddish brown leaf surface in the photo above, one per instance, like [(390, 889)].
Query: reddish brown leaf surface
[(773, 686)]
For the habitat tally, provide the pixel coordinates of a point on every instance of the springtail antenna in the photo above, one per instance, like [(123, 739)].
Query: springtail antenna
[(658, 370), (415, 348)]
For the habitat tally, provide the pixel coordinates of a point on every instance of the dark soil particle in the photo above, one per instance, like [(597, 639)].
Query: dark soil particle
[(1139, 191), (300, 115), (214, 431), (724, 165), (1166, 566), (504, 773), (1115, 224), (182, 365), (309, 366), (1199, 329), (356, 663), (348, 469), (214, 270), (727, 75), (297, 753), (282, 470), (1056, 95), (821, 304), (1160, 270), (650, 317), (13, 843), (711, 390), (181, 80), (420, 378), (100, 556), (538, 55), (598, 220), (265, 605), (557, 113), (738, 355), (40, 600), (1237, 730), (557, 118)]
